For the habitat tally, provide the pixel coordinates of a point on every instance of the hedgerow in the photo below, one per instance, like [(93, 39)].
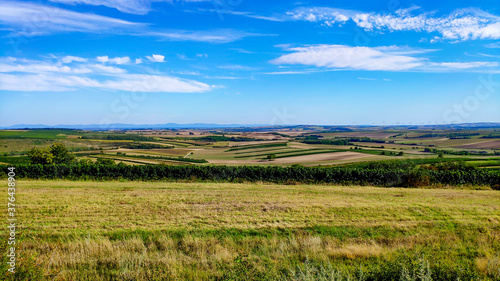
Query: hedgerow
[(275, 174)]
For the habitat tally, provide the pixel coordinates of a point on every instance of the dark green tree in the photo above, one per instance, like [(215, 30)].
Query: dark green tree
[(41, 156), (61, 154), (54, 154)]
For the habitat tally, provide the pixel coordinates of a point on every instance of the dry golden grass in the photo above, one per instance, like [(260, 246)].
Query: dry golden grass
[(196, 231)]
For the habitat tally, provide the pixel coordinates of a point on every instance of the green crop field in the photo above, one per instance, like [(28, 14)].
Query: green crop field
[(212, 231), (36, 134)]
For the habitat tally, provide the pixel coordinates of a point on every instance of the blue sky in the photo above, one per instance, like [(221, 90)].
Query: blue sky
[(249, 62)]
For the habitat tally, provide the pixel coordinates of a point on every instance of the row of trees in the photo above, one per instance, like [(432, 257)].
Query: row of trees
[(459, 152), (317, 139), (359, 176), (328, 141)]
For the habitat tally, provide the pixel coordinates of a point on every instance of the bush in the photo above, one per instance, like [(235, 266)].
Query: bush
[(417, 179), (271, 156), (56, 153)]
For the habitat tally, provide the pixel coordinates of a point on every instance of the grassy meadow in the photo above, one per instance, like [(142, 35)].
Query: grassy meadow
[(85, 230)]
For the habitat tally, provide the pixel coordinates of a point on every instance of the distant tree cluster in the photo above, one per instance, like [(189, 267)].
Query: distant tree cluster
[(54, 154), (491, 137), (451, 136), (317, 139), (391, 153), (224, 138), (328, 141), (459, 152)]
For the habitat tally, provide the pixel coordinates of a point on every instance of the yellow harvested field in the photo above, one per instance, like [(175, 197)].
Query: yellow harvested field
[(495, 144)]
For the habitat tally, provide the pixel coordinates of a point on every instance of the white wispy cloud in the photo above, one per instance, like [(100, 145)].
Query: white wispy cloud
[(30, 19), (386, 58), (236, 67), (182, 57), (463, 24), (155, 83), (276, 18), (495, 45), (213, 36), (40, 67), (346, 57), (242, 51), (107, 69), (286, 72), (29, 75), (156, 58), (117, 60), (138, 61), (43, 82), (69, 59), (138, 7), (488, 55), (465, 65), (373, 79)]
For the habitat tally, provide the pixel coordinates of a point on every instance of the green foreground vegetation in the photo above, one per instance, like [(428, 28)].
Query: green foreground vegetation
[(222, 231)]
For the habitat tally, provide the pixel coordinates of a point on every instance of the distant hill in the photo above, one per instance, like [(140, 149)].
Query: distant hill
[(119, 126)]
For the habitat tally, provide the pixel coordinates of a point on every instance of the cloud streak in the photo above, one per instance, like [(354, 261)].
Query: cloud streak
[(30, 19), (389, 58), (218, 36), (354, 58), (36, 76), (138, 7), (463, 24)]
